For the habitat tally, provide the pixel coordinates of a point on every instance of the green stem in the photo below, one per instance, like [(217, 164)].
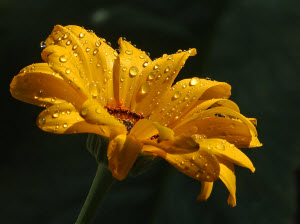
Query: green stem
[(101, 184)]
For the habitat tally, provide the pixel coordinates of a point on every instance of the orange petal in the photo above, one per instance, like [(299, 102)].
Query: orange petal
[(64, 119), (127, 69), (200, 165), (232, 130), (156, 79), (83, 59), (184, 95), (206, 188), (122, 152), (228, 177), (226, 151), (38, 84)]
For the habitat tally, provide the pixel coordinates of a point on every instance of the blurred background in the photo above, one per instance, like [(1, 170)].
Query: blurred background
[(252, 45)]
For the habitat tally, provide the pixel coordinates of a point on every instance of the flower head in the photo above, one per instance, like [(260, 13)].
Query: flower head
[(88, 87)]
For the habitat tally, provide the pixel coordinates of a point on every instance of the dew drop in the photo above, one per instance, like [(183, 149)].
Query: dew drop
[(42, 121), (94, 90), (75, 47), (116, 53), (43, 44), (231, 145), (87, 49), (98, 110), (68, 71), (151, 76), (142, 56), (68, 42), (155, 67), (81, 35), (65, 125), (129, 52), (145, 87), (95, 52), (167, 69), (194, 81), (145, 64), (182, 162), (122, 79), (84, 111), (55, 115), (133, 71), (62, 59), (176, 95), (98, 43)]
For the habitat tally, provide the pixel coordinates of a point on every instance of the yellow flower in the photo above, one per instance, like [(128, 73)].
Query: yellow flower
[(88, 87)]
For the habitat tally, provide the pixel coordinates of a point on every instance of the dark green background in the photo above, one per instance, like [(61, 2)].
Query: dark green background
[(253, 45)]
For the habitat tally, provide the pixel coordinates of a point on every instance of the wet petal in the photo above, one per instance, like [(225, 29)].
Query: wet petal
[(82, 59), (206, 188), (228, 177), (127, 69), (182, 97), (93, 112), (156, 78), (38, 84), (143, 129), (200, 165), (232, 130), (226, 151), (122, 152), (65, 119)]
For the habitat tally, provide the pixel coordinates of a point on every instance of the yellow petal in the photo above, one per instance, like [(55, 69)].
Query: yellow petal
[(82, 59), (93, 112), (232, 130), (122, 152), (184, 95), (165, 133), (38, 84), (156, 78), (143, 129), (200, 165), (64, 119), (228, 177), (127, 69), (226, 151), (206, 188)]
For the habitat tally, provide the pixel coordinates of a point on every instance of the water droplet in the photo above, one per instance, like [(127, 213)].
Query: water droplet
[(209, 147), (62, 59), (145, 87), (184, 86), (129, 52), (55, 115), (151, 76), (43, 44), (145, 64), (68, 71), (75, 47), (87, 49), (42, 121), (98, 110), (142, 56), (68, 111), (170, 58), (98, 65), (182, 162), (95, 52), (65, 125), (122, 79), (155, 67), (98, 43), (53, 99), (176, 95), (116, 53), (194, 81), (81, 35), (94, 90), (167, 69), (231, 145), (133, 71), (84, 111), (68, 42), (159, 76)]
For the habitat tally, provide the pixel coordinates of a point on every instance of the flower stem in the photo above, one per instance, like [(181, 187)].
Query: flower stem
[(101, 184)]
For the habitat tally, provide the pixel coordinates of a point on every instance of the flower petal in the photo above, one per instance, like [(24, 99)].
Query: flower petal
[(225, 150), (38, 84), (156, 79), (200, 165), (93, 112), (184, 95), (228, 177), (127, 69), (143, 129), (64, 119), (122, 152), (232, 130), (206, 188), (82, 59)]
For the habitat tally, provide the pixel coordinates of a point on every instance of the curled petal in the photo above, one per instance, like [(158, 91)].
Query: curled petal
[(200, 165), (156, 79), (232, 130), (228, 178), (122, 152), (206, 188), (64, 119), (143, 129), (38, 84), (182, 97), (225, 150)]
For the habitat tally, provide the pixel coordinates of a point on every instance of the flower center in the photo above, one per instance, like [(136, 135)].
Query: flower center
[(124, 115)]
